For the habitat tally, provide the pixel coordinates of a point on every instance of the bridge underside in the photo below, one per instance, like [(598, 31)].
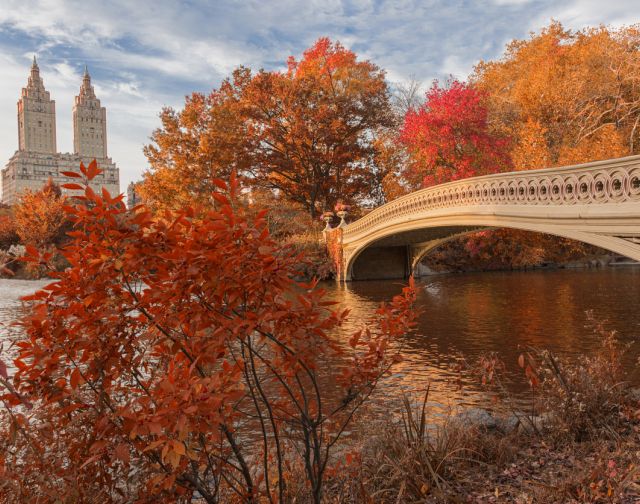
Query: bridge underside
[(397, 256)]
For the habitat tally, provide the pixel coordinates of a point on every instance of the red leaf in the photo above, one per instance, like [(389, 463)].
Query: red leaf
[(32, 251), (75, 378), (220, 183), (221, 199), (73, 186), (71, 174), (92, 170)]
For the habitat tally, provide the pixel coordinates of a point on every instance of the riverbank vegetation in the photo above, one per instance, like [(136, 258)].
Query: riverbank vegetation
[(176, 360), (578, 443)]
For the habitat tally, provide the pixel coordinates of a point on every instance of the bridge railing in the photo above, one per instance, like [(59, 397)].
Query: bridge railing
[(600, 182)]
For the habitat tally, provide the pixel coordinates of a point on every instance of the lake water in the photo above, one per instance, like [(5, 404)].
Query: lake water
[(464, 316), (467, 315), (11, 307)]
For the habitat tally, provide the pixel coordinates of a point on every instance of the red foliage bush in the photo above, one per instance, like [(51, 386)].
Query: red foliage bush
[(177, 358)]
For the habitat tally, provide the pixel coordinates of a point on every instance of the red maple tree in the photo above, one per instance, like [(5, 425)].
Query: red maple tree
[(449, 137)]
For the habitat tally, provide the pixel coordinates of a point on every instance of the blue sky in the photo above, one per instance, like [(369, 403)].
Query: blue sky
[(143, 55)]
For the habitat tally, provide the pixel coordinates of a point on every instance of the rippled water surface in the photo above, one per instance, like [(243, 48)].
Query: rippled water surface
[(465, 316), (11, 307)]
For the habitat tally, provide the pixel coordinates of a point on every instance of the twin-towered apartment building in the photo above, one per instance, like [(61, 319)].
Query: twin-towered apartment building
[(37, 158)]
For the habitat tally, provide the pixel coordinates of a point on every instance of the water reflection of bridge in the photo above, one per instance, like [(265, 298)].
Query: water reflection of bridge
[(596, 203)]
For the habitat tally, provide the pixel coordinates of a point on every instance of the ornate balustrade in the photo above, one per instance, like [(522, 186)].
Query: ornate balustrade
[(601, 182)]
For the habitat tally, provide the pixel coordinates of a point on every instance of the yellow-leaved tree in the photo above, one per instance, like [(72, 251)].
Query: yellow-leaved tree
[(567, 96)]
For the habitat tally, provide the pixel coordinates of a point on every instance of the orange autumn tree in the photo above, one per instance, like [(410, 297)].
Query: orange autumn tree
[(308, 132), (577, 92), (39, 216), (8, 234), (316, 126), (532, 151), (176, 358), (204, 141)]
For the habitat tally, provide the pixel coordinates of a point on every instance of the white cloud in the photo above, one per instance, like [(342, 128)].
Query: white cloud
[(512, 2), (12, 73), (579, 14)]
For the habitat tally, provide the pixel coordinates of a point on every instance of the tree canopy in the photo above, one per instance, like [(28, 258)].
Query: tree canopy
[(566, 97), (449, 137), (308, 132)]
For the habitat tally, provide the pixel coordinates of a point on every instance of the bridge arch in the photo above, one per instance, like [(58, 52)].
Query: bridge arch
[(597, 203)]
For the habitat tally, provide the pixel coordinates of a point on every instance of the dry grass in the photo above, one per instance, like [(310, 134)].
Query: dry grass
[(413, 460), (585, 398)]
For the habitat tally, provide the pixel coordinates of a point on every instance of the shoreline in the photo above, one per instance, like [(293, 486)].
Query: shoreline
[(600, 262)]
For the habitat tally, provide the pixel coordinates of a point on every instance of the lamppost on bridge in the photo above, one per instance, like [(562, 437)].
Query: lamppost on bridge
[(327, 217), (341, 211)]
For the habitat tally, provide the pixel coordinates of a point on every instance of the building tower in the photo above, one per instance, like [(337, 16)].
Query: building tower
[(89, 122), (37, 159), (36, 116)]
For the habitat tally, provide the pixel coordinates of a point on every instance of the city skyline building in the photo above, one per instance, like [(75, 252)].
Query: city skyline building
[(37, 159)]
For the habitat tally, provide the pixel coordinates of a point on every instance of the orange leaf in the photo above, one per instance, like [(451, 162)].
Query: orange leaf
[(178, 447)]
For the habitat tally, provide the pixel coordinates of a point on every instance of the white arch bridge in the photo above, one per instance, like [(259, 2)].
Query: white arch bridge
[(596, 203)]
